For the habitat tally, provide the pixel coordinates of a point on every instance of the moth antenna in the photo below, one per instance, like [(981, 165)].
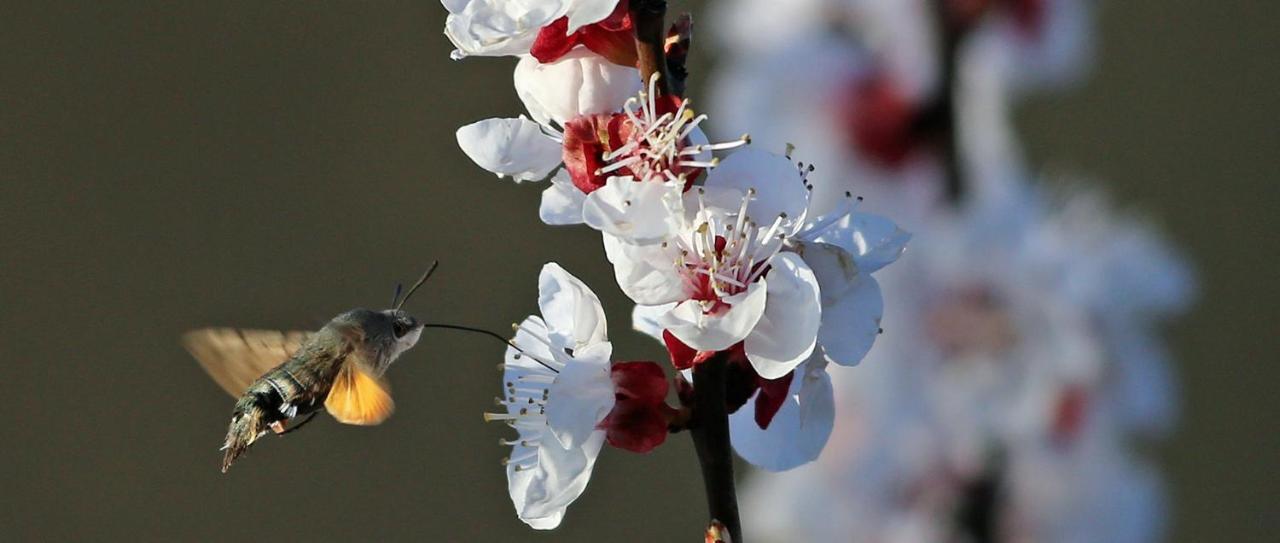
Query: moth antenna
[(395, 297), (421, 280)]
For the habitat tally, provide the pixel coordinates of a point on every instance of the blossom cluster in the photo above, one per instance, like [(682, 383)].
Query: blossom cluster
[(727, 250), (1022, 359)]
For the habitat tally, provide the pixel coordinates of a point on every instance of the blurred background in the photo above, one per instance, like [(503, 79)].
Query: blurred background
[(270, 165)]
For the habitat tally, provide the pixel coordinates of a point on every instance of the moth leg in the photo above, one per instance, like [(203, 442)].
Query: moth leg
[(300, 424)]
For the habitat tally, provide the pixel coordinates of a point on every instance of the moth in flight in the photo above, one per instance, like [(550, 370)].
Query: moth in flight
[(281, 376)]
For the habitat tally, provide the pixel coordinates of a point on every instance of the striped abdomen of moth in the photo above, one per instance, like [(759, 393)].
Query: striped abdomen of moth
[(295, 388)]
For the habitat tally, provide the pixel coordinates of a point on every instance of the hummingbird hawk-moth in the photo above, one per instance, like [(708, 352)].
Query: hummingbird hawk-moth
[(280, 376)]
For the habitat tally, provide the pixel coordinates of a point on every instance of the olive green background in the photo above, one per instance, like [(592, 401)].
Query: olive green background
[(169, 165)]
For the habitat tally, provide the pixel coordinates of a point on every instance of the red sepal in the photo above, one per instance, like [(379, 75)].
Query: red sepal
[(584, 145), (552, 43), (638, 421), (773, 393), (612, 38), (683, 356), (639, 381), (635, 428), (742, 381)]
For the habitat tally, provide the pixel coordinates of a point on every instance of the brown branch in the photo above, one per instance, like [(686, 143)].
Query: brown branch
[(648, 19), (711, 441), (708, 417)]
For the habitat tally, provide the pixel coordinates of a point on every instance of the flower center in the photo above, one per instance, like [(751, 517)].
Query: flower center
[(723, 253), (655, 140), (525, 398)]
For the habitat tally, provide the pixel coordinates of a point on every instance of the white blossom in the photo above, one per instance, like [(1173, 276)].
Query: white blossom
[(579, 83), (508, 28), (998, 364), (557, 390)]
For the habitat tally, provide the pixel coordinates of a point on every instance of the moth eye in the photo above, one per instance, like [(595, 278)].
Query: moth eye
[(400, 328)]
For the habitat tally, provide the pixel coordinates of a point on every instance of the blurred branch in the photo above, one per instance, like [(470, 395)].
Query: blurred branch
[(978, 513), (940, 117)]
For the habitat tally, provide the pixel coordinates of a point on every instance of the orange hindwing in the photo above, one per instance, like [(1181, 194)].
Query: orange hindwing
[(359, 397)]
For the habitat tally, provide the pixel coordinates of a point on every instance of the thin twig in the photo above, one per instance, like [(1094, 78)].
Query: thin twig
[(711, 441), (648, 17)]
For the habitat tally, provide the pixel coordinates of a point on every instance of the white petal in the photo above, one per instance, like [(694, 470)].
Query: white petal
[(585, 12), (645, 273), (851, 302), (874, 241), (513, 147), (575, 319), (496, 27), (800, 429), (644, 319), (717, 332), (788, 330), (714, 201), (851, 322), (635, 211), (541, 494), (579, 83), (550, 522), (834, 267), (778, 185), (562, 201), (581, 396), (530, 338)]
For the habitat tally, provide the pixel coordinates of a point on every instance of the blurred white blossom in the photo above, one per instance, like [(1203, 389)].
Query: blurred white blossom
[(1019, 354)]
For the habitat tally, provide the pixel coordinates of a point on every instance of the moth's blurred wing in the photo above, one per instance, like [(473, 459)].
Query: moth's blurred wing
[(358, 396), (235, 358)]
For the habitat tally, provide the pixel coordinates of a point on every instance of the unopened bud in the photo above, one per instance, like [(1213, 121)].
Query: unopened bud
[(718, 533)]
